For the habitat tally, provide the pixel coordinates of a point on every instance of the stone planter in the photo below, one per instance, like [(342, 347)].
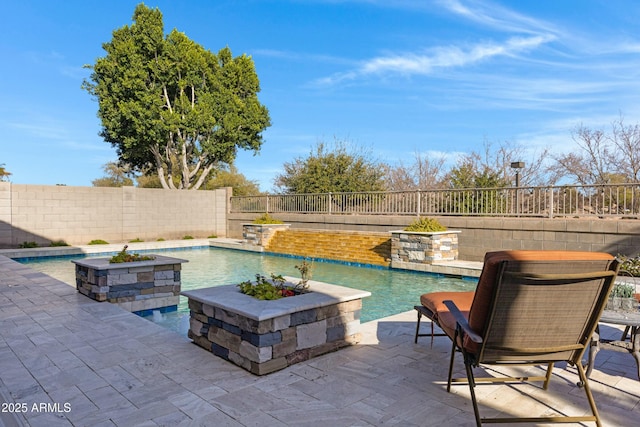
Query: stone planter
[(139, 286), (622, 304), (260, 234), (423, 247), (266, 336)]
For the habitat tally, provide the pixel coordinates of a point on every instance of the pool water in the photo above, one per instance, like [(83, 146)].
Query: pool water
[(392, 291)]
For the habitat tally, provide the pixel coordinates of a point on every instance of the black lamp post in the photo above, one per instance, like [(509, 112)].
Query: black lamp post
[(517, 166)]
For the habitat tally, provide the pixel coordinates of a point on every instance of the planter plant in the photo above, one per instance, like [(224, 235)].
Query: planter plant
[(270, 289), (425, 225), (124, 256), (276, 287), (621, 298), (266, 219)]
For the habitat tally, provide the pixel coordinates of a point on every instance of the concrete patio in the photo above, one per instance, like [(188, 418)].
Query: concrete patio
[(59, 367)]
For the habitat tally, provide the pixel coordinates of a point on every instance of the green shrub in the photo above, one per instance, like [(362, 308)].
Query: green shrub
[(187, 237), (265, 289), (213, 236), (267, 219), (123, 256), (136, 240), (425, 224), (25, 245), (160, 239), (59, 243), (98, 242)]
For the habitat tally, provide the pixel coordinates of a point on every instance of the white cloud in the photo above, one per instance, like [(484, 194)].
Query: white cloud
[(436, 59)]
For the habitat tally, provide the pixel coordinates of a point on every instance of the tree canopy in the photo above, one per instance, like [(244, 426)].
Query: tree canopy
[(115, 176), (168, 103), (331, 170)]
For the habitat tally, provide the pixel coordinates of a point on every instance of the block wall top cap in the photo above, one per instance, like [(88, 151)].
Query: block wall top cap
[(104, 264), (425, 232)]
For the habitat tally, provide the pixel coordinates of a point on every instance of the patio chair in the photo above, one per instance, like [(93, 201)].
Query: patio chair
[(531, 308)]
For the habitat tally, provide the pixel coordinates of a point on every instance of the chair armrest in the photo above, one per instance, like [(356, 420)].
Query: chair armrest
[(462, 321)]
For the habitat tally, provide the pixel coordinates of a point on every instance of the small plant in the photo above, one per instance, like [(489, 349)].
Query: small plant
[(264, 289), (59, 243), (123, 256), (160, 239), (136, 240), (622, 290), (306, 272), (25, 245), (425, 224), (187, 237), (98, 242), (213, 236), (266, 219)]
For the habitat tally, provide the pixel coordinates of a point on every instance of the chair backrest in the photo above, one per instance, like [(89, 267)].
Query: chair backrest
[(539, 306)]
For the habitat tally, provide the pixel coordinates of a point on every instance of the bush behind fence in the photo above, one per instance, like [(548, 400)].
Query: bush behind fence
[(612, 200)]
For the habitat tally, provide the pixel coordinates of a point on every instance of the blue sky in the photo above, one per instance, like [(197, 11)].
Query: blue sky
[(395, 77)]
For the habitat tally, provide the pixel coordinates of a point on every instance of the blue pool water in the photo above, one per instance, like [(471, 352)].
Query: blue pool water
[(392, 291)]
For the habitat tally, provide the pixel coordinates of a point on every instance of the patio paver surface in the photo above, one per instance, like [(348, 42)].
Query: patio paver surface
[(66, 360)]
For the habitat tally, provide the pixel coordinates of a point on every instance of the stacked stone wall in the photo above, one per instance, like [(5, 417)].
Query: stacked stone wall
[(482, 234), (265, 346), (136, 289), (424, 248), (349, 246)]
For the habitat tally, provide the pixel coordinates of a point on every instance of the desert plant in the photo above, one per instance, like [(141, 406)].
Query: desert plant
[(136, 240), (425, 224), (59, 243), (622, 290), (187, 237), (263, 288), (98, 242), (25, 245), (123, 256), (266, 219), (306, 272)]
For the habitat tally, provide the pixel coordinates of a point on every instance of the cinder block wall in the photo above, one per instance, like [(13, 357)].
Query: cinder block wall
[(479, 235), (350, 246), (77, 215)]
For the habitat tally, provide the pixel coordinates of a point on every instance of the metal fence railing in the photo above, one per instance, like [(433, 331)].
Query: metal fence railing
[(611, 200)]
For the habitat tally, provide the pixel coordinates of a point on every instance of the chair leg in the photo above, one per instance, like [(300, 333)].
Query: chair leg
[(585, 382), (417, 327), (453, 354), (547, 377), (469, 369)]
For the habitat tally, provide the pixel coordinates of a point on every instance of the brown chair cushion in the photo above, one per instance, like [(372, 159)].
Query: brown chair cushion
[(433, 302), (492, 260)]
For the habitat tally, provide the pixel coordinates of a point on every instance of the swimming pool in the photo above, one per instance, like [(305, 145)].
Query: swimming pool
[(392, 291)]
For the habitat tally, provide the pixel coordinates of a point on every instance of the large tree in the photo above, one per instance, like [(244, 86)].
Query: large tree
[(170, 103)]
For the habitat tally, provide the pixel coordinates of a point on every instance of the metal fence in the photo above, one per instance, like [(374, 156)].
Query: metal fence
[(614, 200)]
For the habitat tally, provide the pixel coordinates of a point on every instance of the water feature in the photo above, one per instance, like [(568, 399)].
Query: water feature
[(392, 291)]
